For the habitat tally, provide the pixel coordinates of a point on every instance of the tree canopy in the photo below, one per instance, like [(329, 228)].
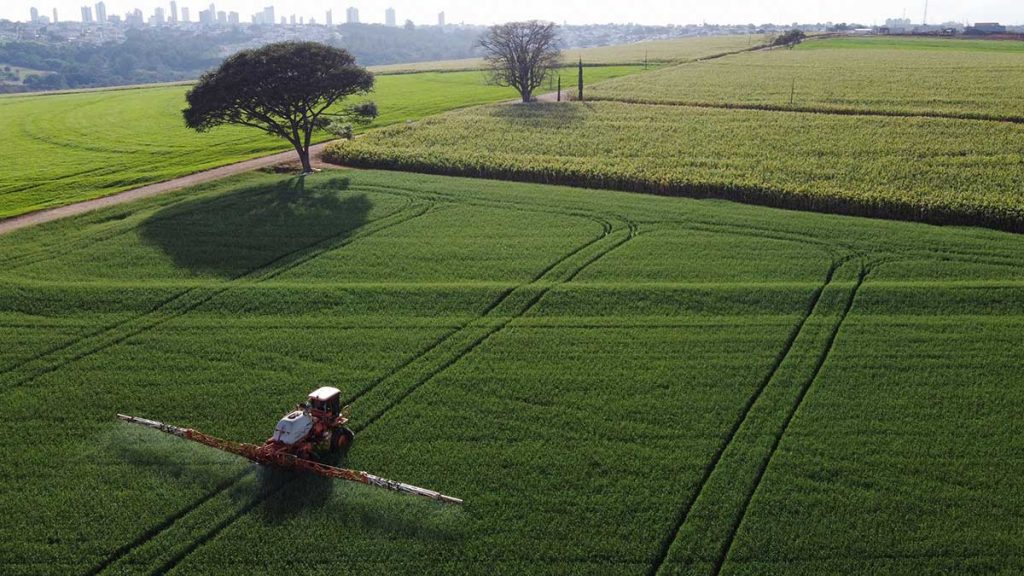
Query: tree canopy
[(288, 89), (521, 54)]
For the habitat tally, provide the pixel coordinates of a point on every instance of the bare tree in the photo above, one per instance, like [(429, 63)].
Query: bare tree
[(521, 54)]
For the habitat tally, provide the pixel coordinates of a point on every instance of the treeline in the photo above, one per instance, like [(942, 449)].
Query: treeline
[(165, 54), (145, 56)]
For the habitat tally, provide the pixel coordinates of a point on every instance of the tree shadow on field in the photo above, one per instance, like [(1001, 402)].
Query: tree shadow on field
[(547, 115), (264, 226)]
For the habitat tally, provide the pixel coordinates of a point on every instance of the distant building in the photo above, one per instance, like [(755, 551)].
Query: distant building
[(158, 18), (352, 15), (987, 28), (389, 17), (185, 16), (207, 18), (291, 20), (233, 18), (268, 15), (172, 17), (134, 19), (440, 19), (284, 21), (101, 12), (329, 20), (34, 15), (55, 16), (899, 25), (222, 17), (86, 15)]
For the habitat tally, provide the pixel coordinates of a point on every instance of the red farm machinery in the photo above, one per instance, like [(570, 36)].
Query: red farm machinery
[(320, 424)]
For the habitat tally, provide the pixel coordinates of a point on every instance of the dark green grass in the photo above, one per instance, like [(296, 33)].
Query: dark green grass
[(614, 383)]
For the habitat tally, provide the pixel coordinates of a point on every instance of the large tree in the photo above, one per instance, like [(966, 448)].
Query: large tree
[(288, 89), (521, 54)]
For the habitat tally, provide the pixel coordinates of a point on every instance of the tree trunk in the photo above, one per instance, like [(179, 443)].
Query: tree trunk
[(307, 168), (527, 96)]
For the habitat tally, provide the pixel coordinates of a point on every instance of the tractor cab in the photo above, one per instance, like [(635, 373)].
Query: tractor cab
[(327, 400)]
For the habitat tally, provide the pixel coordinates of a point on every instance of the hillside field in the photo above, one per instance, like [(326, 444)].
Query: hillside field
[(74, 147), (614, 383)]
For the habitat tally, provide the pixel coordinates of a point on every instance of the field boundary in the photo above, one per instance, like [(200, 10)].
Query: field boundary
[(883, 209)]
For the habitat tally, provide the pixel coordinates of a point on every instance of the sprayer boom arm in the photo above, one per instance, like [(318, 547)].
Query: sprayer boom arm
[(284, 460)]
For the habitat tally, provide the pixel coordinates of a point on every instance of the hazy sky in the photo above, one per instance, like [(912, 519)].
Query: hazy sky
[(577, 11)]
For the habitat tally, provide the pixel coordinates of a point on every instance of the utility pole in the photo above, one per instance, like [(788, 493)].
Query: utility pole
[(559, 87), (925, 21)]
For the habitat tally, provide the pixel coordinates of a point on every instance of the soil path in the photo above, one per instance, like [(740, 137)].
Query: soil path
[(51, 214)]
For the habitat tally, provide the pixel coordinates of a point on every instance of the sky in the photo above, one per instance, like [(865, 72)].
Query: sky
[(866, 12)]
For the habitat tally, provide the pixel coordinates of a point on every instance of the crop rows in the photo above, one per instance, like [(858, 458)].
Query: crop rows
[(896, 78), (941, 171), (568, 361)]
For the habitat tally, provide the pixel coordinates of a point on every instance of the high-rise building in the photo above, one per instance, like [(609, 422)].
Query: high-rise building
[(172, 16), (86, 15), (207, 18), (34, 15), (55, 16), (268, 15), (292, 20), (352, 15), (134, 19), (440, 19), (158, 18), (185, 16), (389, 17), (233, 18), (284, 21), (101, 12), (329, 18), (222, 17)]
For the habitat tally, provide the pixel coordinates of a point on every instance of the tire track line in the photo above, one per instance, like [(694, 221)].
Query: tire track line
[(329, 244), (822, 359), (220, 527), (167, 524), (684, 512)]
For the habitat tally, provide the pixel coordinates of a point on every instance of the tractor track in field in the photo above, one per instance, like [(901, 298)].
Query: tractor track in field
[(124, 551), (290, 259), (805, 389), (431, 375), (683, 514)]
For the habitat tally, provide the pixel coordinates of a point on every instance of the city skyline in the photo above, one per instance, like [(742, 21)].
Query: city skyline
[(867, 12)]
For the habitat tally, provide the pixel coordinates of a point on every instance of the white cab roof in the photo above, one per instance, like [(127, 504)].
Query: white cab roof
[(324, 394)]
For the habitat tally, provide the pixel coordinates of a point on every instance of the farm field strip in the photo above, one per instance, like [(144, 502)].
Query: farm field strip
[(594, 385), (683, 516), (476, 333), (939, 171), (710, 520), (836, 76), (189, 299)]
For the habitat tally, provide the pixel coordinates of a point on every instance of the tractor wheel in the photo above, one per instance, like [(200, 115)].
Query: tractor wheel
[(341, 439)]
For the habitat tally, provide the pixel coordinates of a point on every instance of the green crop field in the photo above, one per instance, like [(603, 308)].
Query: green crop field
[(956, 78), (652, 52), (74, 147), (614, 383), (938, 170)]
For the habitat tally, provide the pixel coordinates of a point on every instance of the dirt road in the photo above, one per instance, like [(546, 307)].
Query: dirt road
[(49, 215)]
